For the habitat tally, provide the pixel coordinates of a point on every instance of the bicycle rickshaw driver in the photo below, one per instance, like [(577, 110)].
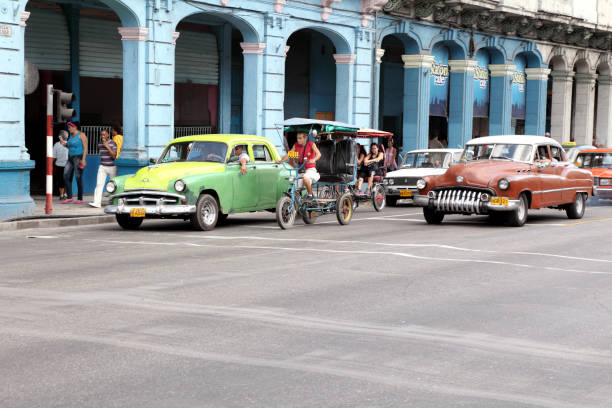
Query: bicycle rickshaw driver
[(307, 154)]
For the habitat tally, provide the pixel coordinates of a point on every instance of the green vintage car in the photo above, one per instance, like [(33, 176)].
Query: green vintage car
[(198, 178)]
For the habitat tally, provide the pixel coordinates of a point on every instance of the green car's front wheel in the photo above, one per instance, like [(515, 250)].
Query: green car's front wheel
[(207, 213), (285, 212), (127, 222)]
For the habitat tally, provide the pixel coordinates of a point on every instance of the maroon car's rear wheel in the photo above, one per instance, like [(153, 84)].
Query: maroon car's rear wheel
[(575, 210)]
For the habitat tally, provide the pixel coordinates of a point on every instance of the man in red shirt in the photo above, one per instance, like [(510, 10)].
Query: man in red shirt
[(308, 154)]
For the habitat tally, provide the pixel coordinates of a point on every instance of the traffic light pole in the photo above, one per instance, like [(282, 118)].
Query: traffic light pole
[(49, 200)]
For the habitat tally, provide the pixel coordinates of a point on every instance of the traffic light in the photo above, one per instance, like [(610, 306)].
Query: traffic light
[(63, 112)]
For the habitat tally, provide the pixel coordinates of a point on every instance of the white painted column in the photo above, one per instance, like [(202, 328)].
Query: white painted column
[(584, 109), (561, 106), (603, 127)]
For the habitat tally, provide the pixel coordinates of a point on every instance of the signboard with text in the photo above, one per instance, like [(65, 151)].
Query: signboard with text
[(481, 85), (438, 95), (519, 85)]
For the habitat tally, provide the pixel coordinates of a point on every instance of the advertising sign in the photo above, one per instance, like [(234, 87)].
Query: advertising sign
[(519, 86), (481, 85), (438, 95)]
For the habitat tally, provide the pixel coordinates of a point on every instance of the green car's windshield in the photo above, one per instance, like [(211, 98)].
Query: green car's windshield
[(425, 159), (595, 160), (195, 152), (501, 151)]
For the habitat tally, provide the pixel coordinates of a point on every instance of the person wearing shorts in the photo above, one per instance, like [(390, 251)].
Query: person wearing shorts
[(308, 154)]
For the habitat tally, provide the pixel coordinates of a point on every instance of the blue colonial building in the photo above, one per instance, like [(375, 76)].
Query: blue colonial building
[(164, 68)]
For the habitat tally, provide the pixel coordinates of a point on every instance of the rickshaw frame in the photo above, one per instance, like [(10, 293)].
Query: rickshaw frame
[(330, 195)]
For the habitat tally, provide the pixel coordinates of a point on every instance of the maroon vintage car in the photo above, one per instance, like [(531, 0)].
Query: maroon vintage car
[(504, 176)]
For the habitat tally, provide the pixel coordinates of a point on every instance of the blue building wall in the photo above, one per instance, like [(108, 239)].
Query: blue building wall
[(148, 30)]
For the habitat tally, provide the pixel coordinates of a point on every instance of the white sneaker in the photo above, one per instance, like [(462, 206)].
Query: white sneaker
[(95, 205)]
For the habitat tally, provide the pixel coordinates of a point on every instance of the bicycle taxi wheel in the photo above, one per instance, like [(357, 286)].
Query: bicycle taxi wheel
[(344, 208), (285, 212), (379, 198)]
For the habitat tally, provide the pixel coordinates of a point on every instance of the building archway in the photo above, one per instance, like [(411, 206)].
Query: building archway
[(78, 50), (310, 76), (482, 89)]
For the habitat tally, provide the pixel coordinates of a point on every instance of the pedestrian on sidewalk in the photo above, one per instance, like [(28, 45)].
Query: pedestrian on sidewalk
[(77, 152), (117, 134), (60, 158), (108, 154)]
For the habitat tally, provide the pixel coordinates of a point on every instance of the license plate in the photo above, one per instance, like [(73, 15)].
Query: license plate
[(405, 193), (501, 201), (137, 212)]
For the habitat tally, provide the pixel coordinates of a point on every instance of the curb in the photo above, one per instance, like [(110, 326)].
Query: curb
[(56, 222)]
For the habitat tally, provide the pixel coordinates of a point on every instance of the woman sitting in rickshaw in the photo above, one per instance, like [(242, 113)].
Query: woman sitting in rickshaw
[(308, 153), (371, 167)]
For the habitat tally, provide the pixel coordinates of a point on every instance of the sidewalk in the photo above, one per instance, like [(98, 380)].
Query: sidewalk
[(63, 215)]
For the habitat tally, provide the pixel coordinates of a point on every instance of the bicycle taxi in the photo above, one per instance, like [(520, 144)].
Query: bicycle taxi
[(335, 191)]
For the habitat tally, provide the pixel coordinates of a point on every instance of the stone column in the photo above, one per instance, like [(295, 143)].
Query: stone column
[(133, 153), (224, 35), (344, 86), (500, 105), (252, 99), (417, 72), (561, 106), (363, 81), (603, 128), (584, 109), (461, 103), (535, 106), (378, 54), (274, 78), (15, 163)]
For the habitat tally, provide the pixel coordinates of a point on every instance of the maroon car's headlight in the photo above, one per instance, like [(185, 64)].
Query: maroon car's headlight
[(605, 182), (421, 184), (503, 184)]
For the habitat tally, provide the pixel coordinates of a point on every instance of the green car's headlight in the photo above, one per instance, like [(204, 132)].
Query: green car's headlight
[(111, 186), (179, 185)]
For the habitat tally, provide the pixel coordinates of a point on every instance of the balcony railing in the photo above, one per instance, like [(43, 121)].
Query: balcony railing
[(93, 134)]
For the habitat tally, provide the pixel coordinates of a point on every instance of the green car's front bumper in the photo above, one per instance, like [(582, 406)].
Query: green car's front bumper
[(154, 203)]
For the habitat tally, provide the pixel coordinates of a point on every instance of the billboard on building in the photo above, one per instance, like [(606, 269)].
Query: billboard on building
[(481, 84), (438, 95), (519, 86)]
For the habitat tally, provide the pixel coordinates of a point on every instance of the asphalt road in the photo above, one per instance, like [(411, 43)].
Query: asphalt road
[(385, 312)]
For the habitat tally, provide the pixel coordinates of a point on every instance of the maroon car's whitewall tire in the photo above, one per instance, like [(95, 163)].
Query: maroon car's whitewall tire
[(575, 210)]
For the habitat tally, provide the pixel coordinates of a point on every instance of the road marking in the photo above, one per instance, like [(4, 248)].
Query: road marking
[(587, 222), (136, 298), (393, 244), (288, 364), (354, 252)]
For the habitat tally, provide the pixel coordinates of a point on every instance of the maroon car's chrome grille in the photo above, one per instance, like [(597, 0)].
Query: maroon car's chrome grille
[(459, 200)]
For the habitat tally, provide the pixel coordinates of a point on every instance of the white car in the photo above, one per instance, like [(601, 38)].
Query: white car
[(401, 184)]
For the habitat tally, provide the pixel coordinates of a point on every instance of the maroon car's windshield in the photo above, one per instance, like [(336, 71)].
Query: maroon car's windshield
[(499, 151)]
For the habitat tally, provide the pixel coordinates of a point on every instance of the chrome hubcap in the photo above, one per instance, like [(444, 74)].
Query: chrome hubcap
[(208, 213)]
